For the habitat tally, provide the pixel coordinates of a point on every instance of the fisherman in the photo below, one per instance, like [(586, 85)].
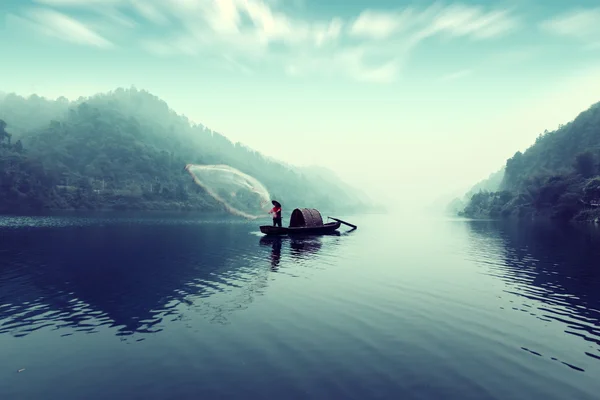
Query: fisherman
[(276, 211)]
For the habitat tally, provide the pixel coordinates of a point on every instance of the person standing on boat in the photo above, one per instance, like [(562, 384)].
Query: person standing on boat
[(276, 211)]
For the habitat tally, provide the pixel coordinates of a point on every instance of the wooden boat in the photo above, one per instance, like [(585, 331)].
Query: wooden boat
[(317, 230), (306, 221)]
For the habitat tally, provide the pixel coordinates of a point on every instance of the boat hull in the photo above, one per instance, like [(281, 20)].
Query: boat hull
[(304, 230)]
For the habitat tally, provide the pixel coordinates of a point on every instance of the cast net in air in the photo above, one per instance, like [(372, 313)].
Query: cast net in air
[(240, 193)]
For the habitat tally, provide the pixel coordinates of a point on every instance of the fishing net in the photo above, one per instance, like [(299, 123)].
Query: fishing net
[(239, 193)]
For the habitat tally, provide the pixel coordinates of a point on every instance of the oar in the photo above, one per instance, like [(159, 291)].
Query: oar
[(344, 222)]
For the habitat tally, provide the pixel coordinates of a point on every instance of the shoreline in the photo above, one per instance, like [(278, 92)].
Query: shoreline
[(534, 218)]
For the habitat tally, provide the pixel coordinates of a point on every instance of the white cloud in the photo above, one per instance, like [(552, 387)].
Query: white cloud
[(582, 24), (54, 24), (245, 31), (105, 8), (465, 21), (381, 25), (454, 20)]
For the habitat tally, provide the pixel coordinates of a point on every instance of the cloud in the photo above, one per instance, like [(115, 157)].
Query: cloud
[(54, 24), (581, 24), (454, 20), (71, 3), (385, 73), (105, 8), (360, 63), (456, 75), (381, 25), (149, 11), (460, 20), (371, 47), (328, 43)]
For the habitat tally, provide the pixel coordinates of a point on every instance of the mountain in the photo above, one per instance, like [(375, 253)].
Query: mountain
[(491, 184), (126, 149), (328, 177), (557, 177), (25, 115)]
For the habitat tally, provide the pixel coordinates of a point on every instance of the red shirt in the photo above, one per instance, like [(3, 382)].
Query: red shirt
[(276, 211)]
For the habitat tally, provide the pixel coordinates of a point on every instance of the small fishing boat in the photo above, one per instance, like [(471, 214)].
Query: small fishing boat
[(305, 221)]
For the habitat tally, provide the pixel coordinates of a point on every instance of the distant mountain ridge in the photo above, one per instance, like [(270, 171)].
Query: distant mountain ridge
[(126, 149), (328, 175), (490, 184)]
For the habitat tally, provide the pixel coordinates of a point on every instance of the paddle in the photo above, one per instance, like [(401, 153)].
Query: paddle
[(343, 222)]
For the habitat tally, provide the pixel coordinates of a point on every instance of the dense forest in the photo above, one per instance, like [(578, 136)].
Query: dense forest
[(126, 149), (557, 177)]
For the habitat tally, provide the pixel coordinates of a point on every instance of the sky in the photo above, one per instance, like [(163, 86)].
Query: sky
[(405, 99)]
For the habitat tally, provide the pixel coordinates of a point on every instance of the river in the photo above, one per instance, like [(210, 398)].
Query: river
[(188, 307)]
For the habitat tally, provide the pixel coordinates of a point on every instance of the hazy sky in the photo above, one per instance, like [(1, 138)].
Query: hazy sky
[(398, 97)]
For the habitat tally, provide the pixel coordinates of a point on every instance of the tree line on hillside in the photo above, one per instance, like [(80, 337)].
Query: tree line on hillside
[(558, 177), (126, 150)]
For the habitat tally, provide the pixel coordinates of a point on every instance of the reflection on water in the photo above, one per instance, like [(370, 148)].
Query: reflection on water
[(555, 270), (397, 309), (123, 275), (302, 247), (127, 276)]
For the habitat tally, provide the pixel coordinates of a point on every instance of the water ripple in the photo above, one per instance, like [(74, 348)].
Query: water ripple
[(183, 308), (561, 285)]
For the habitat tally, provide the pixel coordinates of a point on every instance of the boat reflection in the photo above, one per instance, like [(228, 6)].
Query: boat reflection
[(301, 247), (275, 243)]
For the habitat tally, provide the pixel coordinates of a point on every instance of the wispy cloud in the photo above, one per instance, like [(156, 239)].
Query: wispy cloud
[(85, 3), (453, 20), (351, 62), (456, 75), (371, 47), (382, 25), (581, 24), (54, 24), (152, 13)]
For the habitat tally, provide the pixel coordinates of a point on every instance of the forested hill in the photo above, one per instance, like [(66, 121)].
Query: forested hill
[(126, 149), (491, 184), (557, 177)]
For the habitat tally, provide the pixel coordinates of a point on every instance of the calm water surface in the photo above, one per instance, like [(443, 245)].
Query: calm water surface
[(192, 307)]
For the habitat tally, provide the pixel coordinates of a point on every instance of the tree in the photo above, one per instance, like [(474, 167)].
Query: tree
[(18, 147), (585, 164), (126, 140), (591, 190), (3, 133)]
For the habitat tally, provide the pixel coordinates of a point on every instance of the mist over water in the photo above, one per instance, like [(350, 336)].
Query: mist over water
[(163, 307)]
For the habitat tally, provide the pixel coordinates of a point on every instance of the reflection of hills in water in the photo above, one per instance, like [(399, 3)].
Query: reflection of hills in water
[(129, 276), (558, 266)]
